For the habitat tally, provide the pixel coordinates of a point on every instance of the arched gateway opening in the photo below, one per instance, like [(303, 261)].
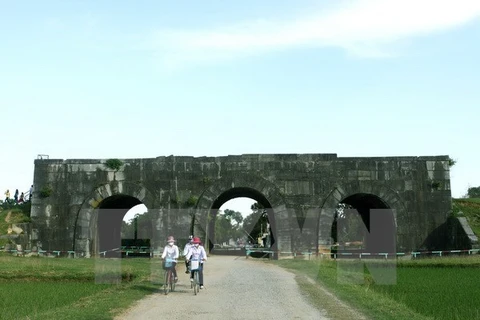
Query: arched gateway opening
[(258, 229), (364, 223), (107, 225)]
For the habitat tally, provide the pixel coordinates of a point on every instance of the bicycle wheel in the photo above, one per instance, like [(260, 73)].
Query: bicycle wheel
[(165, 282), (191, 282), (197, 282), (172, 282)]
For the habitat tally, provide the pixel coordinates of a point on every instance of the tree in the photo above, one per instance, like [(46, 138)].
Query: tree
[(233, 215), (127, 230), (474, 192), (224, 229), (144, 226)]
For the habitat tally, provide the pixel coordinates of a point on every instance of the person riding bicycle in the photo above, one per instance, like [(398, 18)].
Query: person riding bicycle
[(171, 252), (197, 252), (185, 251)]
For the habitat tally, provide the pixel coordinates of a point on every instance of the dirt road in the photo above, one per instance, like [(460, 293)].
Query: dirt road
[(235, 288)]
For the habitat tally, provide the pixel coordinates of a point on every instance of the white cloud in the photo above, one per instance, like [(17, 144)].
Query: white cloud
[(362, 27)]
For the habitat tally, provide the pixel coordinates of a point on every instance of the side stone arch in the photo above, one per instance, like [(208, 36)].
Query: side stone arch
[(340, 192), (88, 212), (255, 184)]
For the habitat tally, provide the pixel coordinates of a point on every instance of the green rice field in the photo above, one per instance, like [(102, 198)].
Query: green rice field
[(433, 288), (61, 288)]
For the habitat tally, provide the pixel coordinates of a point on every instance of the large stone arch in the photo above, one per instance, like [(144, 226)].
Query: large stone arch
[(240, 181), (306, 182), (342, 191), (87, 215)]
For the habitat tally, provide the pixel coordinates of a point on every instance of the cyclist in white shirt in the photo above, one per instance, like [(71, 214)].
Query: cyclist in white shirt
[(185, 251), (197, 252), (171, 251)]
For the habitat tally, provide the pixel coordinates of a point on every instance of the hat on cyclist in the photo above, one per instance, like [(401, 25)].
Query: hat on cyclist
[(190, 237), (170, 238), (196, 240)]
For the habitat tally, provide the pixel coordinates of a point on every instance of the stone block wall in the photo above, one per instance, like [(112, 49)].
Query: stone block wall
[(302, 189)]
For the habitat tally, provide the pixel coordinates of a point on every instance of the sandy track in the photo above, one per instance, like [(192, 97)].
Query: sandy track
[(235, 288)]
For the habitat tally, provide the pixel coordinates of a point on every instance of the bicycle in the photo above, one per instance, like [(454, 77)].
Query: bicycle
[(195, 266), (169, 281)]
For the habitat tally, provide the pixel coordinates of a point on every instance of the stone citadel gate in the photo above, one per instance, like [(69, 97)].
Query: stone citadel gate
[(79, 204)]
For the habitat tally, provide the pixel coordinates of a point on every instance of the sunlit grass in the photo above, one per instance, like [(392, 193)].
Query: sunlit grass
[(435, 288), (60, 288), (470, 209)]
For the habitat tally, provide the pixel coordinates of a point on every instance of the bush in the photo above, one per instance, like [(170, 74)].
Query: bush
[(451, 162), (114, 164), (192, 201), (45, 192)]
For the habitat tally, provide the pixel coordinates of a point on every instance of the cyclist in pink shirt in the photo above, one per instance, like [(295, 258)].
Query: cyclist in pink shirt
[(197, 252)]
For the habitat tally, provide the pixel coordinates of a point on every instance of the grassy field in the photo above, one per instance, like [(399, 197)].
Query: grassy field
[(60, 288), (56, 288), (435, 288)]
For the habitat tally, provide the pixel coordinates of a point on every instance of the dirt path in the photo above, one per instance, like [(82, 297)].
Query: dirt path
[(8, 217), (235, 288)]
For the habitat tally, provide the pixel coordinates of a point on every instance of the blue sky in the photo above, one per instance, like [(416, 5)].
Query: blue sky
[(118, 79)]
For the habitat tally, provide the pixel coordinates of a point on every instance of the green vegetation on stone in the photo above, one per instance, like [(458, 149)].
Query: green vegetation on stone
[(191, 201), (451, 162), (113, 164), (45, 192)]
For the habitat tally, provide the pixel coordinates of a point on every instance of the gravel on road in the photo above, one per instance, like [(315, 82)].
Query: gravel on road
[(235, 288)]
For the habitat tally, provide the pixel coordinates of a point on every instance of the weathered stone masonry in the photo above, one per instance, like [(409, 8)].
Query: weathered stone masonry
[(302, 190)]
